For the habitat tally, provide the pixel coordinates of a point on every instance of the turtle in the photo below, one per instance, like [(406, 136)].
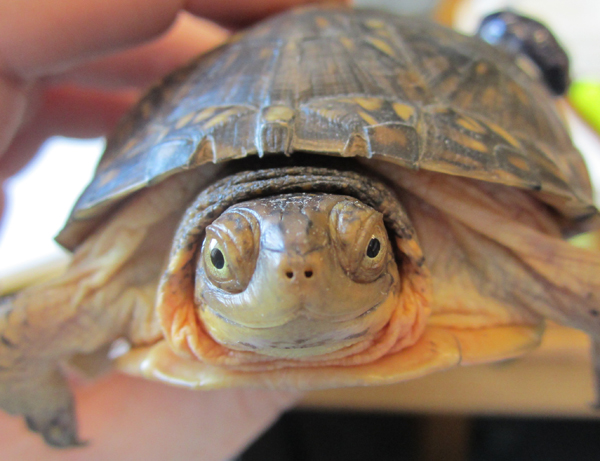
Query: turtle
[(334, 197)]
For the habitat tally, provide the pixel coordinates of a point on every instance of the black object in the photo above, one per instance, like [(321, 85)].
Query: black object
[(522, 35)]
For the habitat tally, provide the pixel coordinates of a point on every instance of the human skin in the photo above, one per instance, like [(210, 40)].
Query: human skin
[(72, 68)]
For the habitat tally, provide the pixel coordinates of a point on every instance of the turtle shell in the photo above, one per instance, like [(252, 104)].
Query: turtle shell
[(349, 83)]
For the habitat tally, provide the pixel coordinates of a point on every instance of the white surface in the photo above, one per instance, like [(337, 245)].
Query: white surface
[(39, 200)]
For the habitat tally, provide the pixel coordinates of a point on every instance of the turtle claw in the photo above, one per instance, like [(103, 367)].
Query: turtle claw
[(60, 431), (46, 402)]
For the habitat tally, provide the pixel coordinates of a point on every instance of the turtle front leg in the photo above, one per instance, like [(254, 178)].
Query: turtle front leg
[(42, 395), (31, 382), (107, 292), (41, 327)]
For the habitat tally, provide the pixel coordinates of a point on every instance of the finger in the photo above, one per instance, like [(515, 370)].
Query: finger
[(13, 103), (66, 111), (63, 33), (127, 418), (246, 12), (143, 65)]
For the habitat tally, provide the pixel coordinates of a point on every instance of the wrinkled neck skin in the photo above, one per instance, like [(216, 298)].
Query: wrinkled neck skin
[(296, 275)]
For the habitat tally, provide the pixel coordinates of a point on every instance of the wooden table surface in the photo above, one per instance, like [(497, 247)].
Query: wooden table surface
[(555, 380)]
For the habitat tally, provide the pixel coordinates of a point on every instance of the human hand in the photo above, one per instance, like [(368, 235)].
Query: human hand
[(125, 418), (72, 67)]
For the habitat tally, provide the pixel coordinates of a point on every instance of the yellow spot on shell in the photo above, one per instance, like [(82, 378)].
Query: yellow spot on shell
[(374, 23), (504, 134), (381, 46), (518, 92), (348, 44), (390, 136), (322, 22), (469, 142), (464, 99), (471, 125), (221, 118), (489, 97), (183, 121), (367, 118), (404, 111), (265, 53), (518, 162), (203, 115), (481, 68), (328, 113), (368, 103), (278, 113), (465, 162), (440, 110)]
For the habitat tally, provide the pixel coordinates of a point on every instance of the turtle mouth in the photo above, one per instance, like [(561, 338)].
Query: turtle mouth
[(301, 312), (307, 343)]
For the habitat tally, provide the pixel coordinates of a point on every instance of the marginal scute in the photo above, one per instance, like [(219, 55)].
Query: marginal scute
[(404, 111), (275, 130), (356, 146), (205, 152), (177, 151), (381, 45), (394, 137), (516, 168), (278, 113)]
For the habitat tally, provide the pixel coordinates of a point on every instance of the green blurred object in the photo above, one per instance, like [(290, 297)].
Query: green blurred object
[(585, 98), (589, 240)]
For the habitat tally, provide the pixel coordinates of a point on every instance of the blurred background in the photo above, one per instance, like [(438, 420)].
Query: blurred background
[(535, 408)]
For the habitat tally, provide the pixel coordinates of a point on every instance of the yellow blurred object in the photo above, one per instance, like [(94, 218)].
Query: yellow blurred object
[(585, 98), (589, 240), (445, 12)]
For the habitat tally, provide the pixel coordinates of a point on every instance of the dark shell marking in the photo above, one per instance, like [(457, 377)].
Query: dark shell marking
[(348, 83)]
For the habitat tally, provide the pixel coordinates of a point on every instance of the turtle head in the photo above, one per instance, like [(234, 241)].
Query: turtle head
[(296, 275)]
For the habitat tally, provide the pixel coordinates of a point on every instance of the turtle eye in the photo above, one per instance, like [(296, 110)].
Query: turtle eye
[(217, 265), (228, 252), (373, 248), (361, 240), (217, 259), (375, 244)]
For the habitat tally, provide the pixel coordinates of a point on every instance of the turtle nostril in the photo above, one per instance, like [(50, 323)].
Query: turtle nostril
[(289, 274), (308, 274)]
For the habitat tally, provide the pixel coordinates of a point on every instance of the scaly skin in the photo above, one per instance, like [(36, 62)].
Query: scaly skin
[(107, 292)]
